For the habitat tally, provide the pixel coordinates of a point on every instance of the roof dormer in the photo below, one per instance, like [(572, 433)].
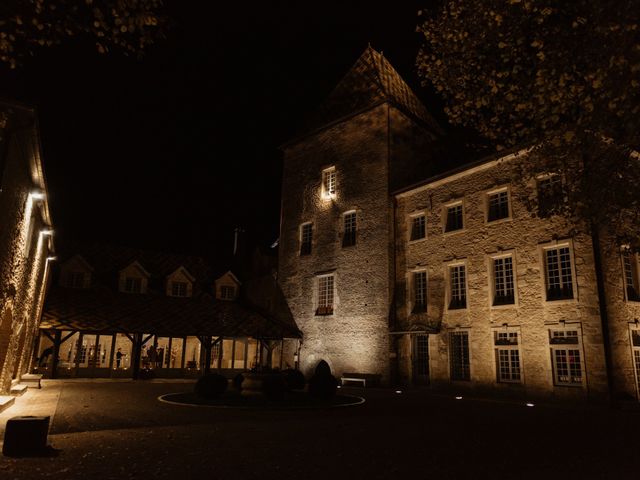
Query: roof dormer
[(133, 278), (179, 283), (75, 273), (227, 286)]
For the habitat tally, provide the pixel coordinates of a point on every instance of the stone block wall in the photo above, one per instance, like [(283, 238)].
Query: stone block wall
[(532, 316), (355, 337), (23, 250)]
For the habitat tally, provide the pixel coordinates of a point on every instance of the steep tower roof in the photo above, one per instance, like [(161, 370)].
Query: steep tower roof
[(371, 81)]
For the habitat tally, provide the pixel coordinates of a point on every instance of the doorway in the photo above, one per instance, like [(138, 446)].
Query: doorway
[(420, 359)]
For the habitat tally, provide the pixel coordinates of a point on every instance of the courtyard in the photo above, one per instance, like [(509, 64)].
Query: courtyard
[(118, 429)]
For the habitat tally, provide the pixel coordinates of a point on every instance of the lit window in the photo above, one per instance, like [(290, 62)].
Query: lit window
[(635, 346), (418, 227), (630, 266), (227, 292), (457, 287), (329, 182), (419, 292), (76, 280), (566, 357), (549, 195), (179, 289), (503, 287), (350, 225), (459, 356), (306, 238), (498, 203), (559, 274), (454, 218), (132, 285), (325, 295), (507, 357)]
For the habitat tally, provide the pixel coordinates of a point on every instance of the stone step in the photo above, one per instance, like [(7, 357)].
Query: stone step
[(17, 390), (32, 380), (6, 401)]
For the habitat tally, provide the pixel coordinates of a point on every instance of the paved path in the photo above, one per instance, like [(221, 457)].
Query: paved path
[(119, 430)]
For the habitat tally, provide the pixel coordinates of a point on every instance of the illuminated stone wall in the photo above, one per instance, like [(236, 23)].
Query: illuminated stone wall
[(532, 316), (361, 148), (23, 250)]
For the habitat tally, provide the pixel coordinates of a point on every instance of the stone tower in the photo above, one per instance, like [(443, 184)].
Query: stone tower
[(336, 264)]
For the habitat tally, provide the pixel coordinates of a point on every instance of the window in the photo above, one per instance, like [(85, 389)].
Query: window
[(507, 357), (559, 274), (325, 295), (418, 227), (454, 218), (76, 280), (227, 292), (350, 224), (306, 238), (635, 348), (498, 205), (459, 355), (458, 287), (132, 285), (179, 289), (565, 356), (503, 285), (549, 195), (630, 266), (329, 182), (419, 292)]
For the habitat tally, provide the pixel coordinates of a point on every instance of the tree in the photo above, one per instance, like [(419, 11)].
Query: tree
[(561, 77), (127, 25)]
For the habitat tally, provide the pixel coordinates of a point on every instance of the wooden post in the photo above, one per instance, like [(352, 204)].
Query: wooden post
[(114, 337), (167, 354), (57, 340), (206, 340), (137, 350), (246, 352), (184, 352), (221, 340), (233, 354), (281, 352), (78, 350)]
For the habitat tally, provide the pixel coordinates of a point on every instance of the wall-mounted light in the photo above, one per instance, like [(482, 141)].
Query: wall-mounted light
[(48, 232), (37, 195), (51, 259)]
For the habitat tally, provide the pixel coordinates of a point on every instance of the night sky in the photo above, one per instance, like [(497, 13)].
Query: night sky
[(173, 151)]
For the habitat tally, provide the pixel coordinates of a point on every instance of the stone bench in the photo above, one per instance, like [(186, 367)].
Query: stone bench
[(362, 378), (31, 380)]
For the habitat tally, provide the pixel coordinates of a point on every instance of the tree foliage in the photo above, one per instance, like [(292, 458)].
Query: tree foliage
[(27, 25), (561, 76)]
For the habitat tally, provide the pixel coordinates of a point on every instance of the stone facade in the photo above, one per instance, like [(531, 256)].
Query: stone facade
[(24, 249), (543, 338)]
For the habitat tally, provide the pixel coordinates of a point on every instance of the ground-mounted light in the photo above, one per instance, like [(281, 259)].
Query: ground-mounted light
[(398, 391), (530, 404), (459, 398)]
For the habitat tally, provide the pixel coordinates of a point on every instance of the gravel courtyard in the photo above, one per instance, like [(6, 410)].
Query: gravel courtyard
[(120, 430)]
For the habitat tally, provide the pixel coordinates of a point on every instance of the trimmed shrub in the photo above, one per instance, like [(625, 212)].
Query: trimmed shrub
[(294, 379), (211, 386), (274, 386), (323, 368), (323, 386), (237, 381)]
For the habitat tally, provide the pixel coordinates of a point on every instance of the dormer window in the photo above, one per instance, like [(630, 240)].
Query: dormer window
[(76, 280), (329, 182), (179, 289), (132, 285), (227, 292)]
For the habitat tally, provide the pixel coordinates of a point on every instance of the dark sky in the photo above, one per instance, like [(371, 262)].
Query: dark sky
[(173, 151)]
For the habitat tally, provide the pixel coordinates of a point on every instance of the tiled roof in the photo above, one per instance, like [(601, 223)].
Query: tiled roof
[(101, 309), (370, 81)]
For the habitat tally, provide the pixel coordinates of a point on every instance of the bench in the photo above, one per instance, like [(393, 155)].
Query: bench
[(362, 378), (31, 380)]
